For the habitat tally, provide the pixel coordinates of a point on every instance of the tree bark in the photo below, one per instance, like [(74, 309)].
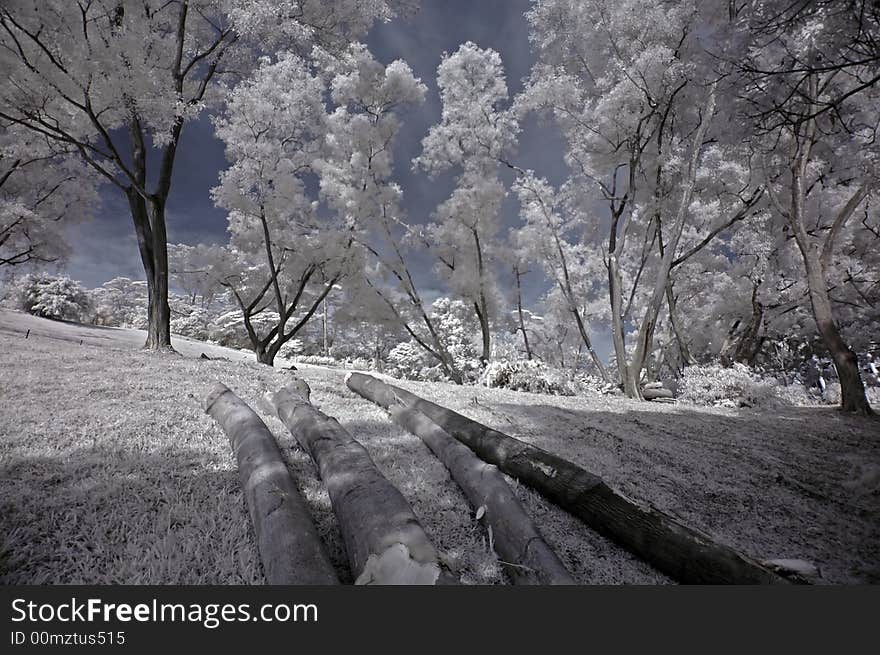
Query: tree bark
[(853, 398), (816, 260), (481, 305), (750, 341), (672, 304), (149, 225), (383, 538), (645, 337), (526, 556), (522, 324), (290, 548), (618, 337), (682, 553)]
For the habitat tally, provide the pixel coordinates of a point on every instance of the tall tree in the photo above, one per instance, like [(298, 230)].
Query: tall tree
[(356, 181), (277, 131), (551, 236), (634, 94), (812, 91), (474, 134), (117, 80)]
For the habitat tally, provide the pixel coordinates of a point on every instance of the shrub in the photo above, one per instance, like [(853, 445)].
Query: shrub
[(406, 360), (317, 360), (193, 325), (291, 349), (54, 297), (526, 375), (736, 386)]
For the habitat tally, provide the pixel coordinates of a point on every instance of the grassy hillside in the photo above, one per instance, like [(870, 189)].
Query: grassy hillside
[(110, 472)]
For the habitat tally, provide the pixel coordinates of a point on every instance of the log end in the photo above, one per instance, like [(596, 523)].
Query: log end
[(396, 566), (299, 388), (215, 394)]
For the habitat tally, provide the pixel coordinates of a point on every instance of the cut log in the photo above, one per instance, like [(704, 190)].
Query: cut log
[(680, 552), (288, 542), (383, 538), (520, 546), (655, 393)]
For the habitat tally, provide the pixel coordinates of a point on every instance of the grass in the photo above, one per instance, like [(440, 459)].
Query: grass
[(111, 473)]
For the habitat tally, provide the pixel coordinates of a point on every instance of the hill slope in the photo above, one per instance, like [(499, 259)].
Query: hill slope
[(110, 472)]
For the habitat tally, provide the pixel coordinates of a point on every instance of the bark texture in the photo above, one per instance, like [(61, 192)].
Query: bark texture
[(383, 538), (528, 559), (290, 548), (682, 553)]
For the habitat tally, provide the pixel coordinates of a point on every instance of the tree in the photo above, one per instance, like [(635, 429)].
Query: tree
[(285, 252), (355, 179), (273, 127), (473, 136), (120, 302), (117, 80), (811, 92), (40, 194), (546, 237), (55, 297), (634, 94)]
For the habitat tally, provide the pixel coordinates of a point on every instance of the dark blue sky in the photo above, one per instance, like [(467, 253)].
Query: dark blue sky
[(106, 247)]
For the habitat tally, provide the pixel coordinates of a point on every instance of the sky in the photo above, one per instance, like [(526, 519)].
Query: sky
[(105, 247)]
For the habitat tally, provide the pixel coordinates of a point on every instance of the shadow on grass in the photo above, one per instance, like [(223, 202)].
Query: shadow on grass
[(116, 516), (795, 483)]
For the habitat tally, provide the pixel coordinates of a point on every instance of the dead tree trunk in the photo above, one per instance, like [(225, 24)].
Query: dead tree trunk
[(682, 553), (290, 548), (383, 538), (528, 558)]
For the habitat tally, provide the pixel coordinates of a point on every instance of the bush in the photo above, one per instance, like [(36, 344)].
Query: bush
[(291, 349), (526, 375), (736, 386), (193, 325), (54, 297), (317, 360), (407, 361)]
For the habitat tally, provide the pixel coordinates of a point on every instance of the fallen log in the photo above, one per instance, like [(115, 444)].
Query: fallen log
[(680, 552), (656, 393), (528, 558), (383, 538), (288, 542)]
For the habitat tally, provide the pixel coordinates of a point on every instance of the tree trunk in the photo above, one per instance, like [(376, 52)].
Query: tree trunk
[(682, 553), (383, 538), (528, 558), (482, 307), (729, 345), (618, 337), (750, 342), (324, 329), (266, 355), (686, 357), (149, 224), (589, 345), (522, 324), (483, 319), (290, 548), (645, 339), (852, 389), (853, 398)]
